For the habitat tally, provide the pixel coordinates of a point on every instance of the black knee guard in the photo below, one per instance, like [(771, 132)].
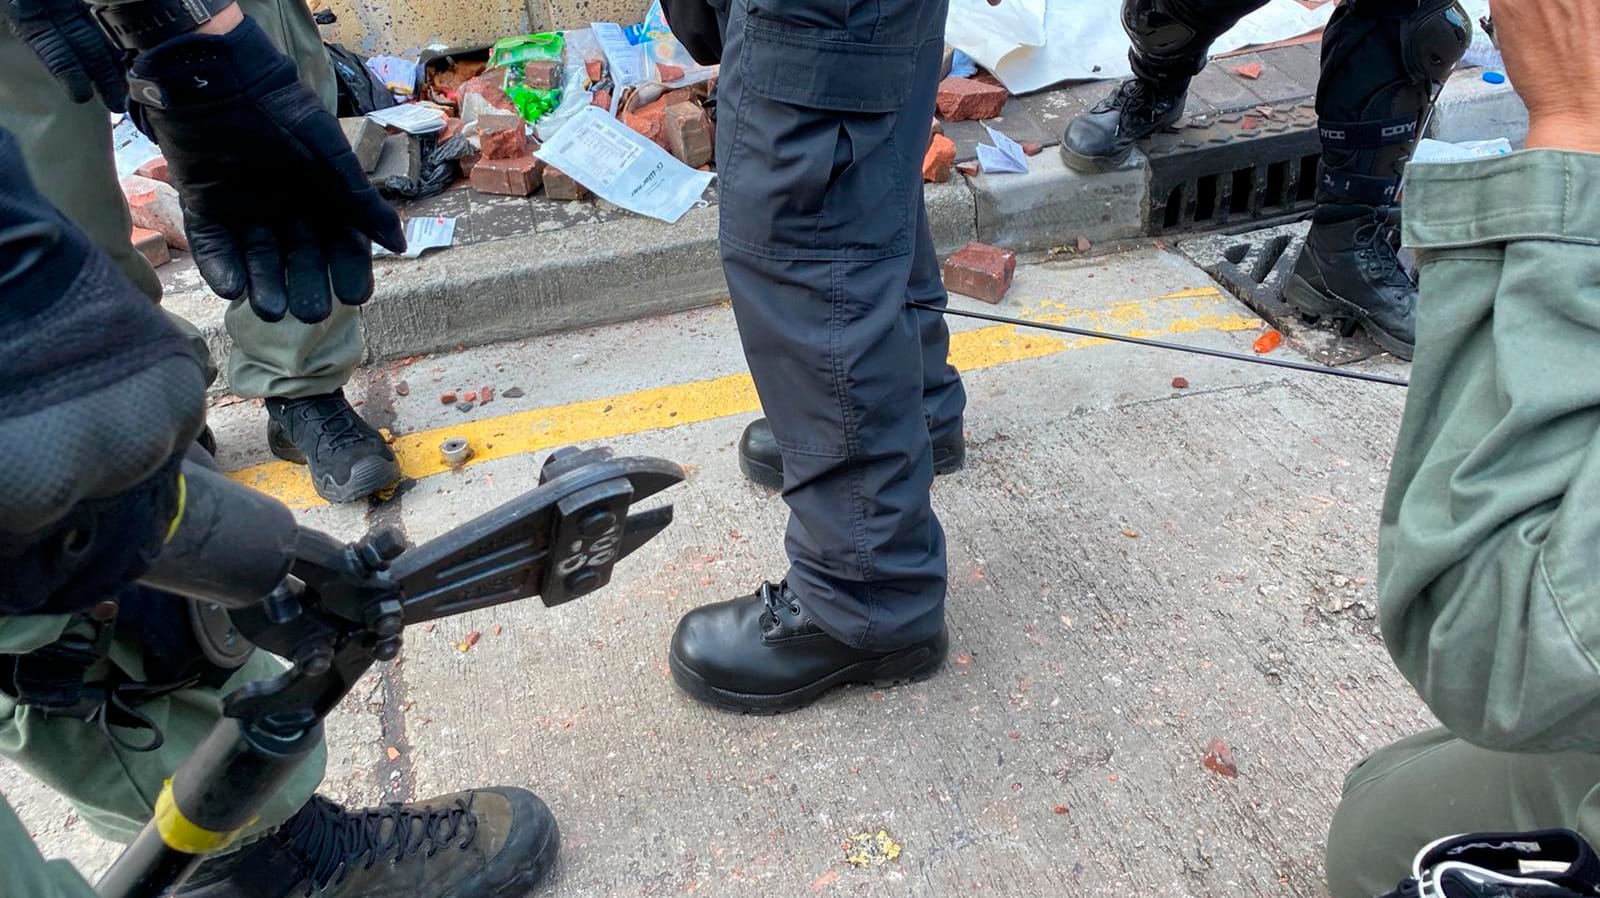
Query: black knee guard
[(1171, 38), (1383, 64)]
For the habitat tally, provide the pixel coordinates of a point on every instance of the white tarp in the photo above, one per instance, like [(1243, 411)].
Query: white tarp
[(1032, 44)]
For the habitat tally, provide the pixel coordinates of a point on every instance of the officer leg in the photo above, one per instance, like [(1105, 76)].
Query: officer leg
[(26, 872), (1383, 62), (819, 107), (1170, 42), (1433, 785), (301, 369), (943, 397)]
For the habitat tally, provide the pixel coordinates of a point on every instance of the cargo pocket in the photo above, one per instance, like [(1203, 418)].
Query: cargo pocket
[(815, 171)]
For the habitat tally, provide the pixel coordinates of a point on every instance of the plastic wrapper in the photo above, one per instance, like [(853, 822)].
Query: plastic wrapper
[(513, 53), (441, 167), (575, 97), (669, 63)]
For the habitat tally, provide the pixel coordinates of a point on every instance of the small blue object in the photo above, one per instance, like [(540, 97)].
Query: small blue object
[(962, 66), (1494, 77), (634, 33)]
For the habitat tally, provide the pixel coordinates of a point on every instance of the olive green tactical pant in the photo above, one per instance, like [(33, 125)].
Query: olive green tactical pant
[(68, 151)]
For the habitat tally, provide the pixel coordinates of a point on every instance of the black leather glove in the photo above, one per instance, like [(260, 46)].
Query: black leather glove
[(71, 45), (694, 23), (275, 204), (98, 394)]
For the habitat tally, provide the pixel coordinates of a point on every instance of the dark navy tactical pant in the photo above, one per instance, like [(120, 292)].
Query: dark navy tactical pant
[(823, 114)]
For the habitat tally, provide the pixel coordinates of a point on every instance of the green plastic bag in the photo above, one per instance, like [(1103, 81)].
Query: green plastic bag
[(513, 53)]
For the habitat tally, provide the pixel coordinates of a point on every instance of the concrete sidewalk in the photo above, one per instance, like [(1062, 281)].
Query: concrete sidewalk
[(524, 267)]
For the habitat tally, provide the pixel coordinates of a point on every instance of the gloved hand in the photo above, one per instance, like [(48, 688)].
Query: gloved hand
[(98, 394), (275, 204), (694, 23), (71, 45)]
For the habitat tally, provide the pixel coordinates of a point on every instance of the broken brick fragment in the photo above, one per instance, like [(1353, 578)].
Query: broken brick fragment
[(448, 397), (485, 94), (939, 159), (981, 271), (452, 127), (669, 73), (595, 69), (502, 136), (970, 169), (1252, 71), (602, 98), (558, 185), (154, 206), (963, 99), (688, 133), (1033, 149), (1219, 759), (542, 74), (152, 246), (485, 395), (155, 169), (507, 177)]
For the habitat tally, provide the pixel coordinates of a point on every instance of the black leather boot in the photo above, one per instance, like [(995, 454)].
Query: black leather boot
[(763, 654), (1101, 139), (348, 458), (1348, 271), (761, 461), (484, 843)]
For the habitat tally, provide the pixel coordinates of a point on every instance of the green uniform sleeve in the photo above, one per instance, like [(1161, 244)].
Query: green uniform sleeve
[(25, 873), (1489, 552)]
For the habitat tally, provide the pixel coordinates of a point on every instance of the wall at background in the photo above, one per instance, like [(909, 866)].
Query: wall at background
[(400, 27)]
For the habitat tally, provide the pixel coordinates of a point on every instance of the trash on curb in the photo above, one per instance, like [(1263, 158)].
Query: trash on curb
[(423, 234), (618, 164), (1005, 157)]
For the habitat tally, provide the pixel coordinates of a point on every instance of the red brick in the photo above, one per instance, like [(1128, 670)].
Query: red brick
[(558, 185), (970, 169), (452, 127), (602, 98), (486, 88), (152, 246), (1251, 71), (154, 206), (981, 272), (155, 169), (507, 177), (669, 73), (936, 163), (595, 69), (1033, 149), (542, 74), (502, 136), (689, 133), (963, 99)]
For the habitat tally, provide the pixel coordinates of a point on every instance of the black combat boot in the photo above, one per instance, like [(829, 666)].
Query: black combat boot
[(764, 654), (1348, 271), (1100, 139), (348, 458), (486, 843), (761, 461)]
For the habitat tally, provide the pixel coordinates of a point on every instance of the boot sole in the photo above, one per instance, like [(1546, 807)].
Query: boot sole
[(1093, 165), (763, 474), (1299, 293), (910, 665)]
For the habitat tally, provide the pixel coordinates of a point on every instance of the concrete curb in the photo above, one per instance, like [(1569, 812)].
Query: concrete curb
[(632, 267)]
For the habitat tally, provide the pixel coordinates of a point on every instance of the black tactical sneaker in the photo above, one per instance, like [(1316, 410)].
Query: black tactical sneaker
[(1349, 271), (761, 461), (347, 457), (486, 843), (1100, 139), (763, 654)]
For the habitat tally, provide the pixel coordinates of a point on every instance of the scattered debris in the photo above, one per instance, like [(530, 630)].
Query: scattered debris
[(981, 271), (1084, 245), (463, 406), (466, 645), (1060, 809), (871, 849), (825, 880), (513, 393), (1267, 342), (1250, 123), (485, 395), (938, 161), (1180, 383), (498, 630), (470, 396), (1033, 149), (970, 169), (1251, 70), (1219, 759), (393, 753), (1130, 533), (401, 388), (448, 397)]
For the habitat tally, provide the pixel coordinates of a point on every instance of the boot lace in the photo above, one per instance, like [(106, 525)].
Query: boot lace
[(1377, 239), (331, 840), (1137, 99), (335, 421)]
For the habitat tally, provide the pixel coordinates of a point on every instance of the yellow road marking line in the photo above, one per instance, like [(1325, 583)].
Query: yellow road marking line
[(596, 420)]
